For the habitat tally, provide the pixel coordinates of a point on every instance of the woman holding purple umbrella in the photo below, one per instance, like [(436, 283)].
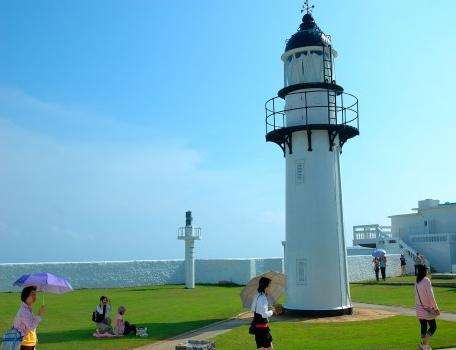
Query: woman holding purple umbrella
[(26, 322)]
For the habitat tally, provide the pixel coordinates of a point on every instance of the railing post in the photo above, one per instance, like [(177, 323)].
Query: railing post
[(357, 115), (344, 116), (329, 108), (305, 102), (273, 111)]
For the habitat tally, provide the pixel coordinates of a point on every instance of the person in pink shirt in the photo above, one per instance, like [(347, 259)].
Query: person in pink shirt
[(122, 327), (426, 307), (25, 321)]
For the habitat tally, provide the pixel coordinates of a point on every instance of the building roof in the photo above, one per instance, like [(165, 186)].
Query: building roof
[(418, 210), (410, 214), (447, 204), (308, 34)]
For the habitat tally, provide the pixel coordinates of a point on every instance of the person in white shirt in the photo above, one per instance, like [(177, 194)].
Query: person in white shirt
[(261, 313)]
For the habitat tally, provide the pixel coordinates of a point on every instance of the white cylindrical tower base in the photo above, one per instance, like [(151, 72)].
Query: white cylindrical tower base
[(315, 254), (189, 264)]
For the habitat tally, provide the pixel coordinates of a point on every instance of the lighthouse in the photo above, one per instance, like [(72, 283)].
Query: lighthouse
[(189, 234), (311, 118)]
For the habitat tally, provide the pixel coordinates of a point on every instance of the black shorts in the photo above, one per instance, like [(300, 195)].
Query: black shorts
[(263, 338)]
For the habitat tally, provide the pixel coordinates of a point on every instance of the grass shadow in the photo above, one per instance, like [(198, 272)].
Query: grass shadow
[(157, 331)]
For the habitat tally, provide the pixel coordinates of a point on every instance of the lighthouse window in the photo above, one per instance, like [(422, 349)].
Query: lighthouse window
[(290, 58), (301, 271), (299, 172), (319, 53), (298, 54)]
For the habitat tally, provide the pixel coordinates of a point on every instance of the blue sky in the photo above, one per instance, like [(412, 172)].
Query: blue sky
[(117, 116)]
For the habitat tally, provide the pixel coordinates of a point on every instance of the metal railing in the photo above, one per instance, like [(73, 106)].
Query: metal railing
[(194, 233), (382, 234), (363, 232), (339, 112)]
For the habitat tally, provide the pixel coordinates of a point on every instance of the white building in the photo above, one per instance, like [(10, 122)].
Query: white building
[(429, 230), (311, 119)]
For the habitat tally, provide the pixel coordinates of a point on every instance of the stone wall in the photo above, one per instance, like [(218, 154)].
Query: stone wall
[(152, 272), (360, 267)]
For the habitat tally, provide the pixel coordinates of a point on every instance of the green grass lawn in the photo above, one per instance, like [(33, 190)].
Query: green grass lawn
[(172, 310), (395, 333), (398, 294), (165, 310)]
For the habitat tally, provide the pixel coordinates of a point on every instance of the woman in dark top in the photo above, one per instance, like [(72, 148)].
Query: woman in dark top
[(101, 316)]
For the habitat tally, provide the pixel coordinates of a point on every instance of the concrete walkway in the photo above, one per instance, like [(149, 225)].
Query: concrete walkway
[(203, 333), (221, 327), (447, 316)]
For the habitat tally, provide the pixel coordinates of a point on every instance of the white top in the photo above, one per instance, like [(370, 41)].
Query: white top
[(261, 306), (100, 309)]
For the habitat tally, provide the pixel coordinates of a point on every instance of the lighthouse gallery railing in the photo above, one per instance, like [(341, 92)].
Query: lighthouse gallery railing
[(341, 107)]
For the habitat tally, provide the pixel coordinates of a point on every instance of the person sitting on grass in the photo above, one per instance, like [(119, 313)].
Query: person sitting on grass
[(122, 327), (426, 307), (101, 316), (25, 321)]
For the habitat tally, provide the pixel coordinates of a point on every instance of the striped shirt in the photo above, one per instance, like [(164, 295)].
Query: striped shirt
[(426, 294), (26, 322)]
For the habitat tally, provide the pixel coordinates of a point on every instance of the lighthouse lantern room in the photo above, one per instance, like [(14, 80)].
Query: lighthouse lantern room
[(311, 119)]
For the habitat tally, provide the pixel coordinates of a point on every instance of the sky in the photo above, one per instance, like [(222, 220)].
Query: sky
[(118, 116)]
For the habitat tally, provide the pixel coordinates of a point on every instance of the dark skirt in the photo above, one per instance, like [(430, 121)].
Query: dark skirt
[(263, 338)]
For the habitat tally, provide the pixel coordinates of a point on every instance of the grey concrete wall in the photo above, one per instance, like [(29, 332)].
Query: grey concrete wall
[(152, 272), (360, 267)]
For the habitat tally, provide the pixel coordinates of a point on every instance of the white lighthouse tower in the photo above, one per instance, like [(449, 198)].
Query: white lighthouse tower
[(311, 119), (189, 234)]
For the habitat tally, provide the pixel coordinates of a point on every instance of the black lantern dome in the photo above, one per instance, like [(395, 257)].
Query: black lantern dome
[(308, 34)]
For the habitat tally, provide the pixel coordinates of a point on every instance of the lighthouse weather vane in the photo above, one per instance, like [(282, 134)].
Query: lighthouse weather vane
[(307, 7)]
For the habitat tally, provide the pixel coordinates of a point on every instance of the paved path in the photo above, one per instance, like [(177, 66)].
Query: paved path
[(221, 327), (207, 332), (447, 316)]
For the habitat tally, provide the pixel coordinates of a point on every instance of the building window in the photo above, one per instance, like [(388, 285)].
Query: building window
[(425, 223), (299, 172), (290, 58), (301, 271)]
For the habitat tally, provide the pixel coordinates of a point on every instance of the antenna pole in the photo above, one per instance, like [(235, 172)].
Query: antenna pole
[(307, 7)]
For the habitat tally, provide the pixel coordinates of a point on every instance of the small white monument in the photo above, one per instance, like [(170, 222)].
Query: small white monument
[(189, 234)]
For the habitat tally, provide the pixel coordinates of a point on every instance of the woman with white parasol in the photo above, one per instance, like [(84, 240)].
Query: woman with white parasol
[(269, 286)]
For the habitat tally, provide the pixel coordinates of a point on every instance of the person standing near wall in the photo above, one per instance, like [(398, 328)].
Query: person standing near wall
[(383, 266), (376, 263), (426, 307), (403, 265)]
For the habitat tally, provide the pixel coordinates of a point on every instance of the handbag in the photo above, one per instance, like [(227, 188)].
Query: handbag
[(431, 311), (11, 340), (96, 317)]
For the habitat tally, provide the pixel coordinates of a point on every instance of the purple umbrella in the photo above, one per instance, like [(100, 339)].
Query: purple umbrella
[(378, 253), (45, 282)]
